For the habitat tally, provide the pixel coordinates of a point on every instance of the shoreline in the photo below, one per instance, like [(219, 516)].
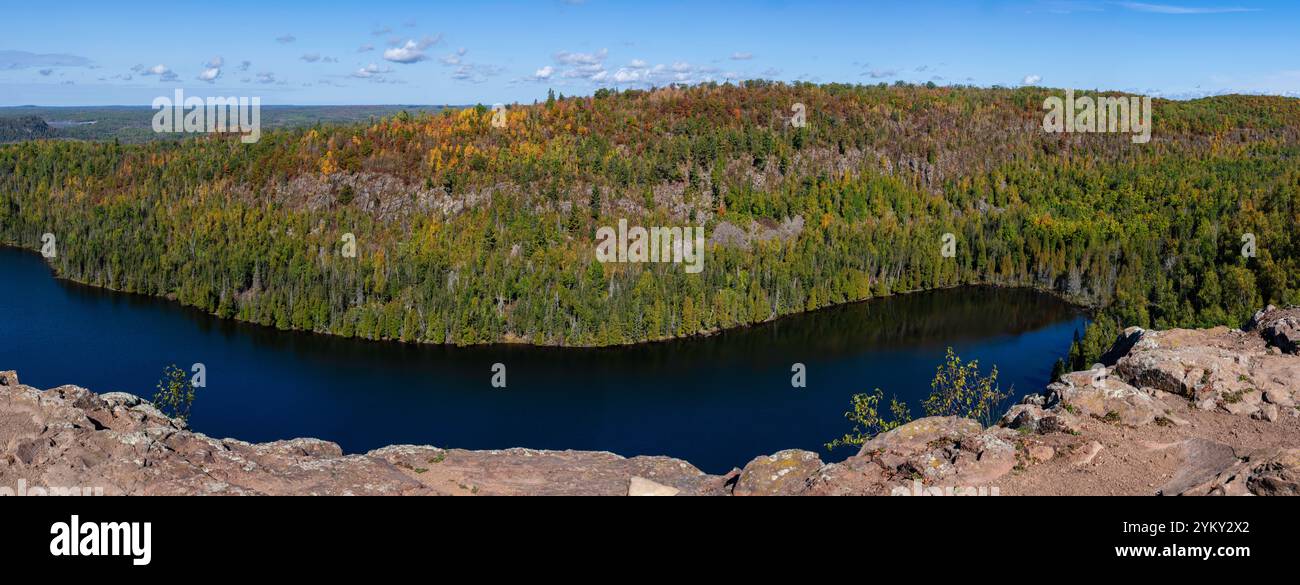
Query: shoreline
[(1085, 309)]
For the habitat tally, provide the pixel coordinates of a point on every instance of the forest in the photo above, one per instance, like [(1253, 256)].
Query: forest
[(469, 232)]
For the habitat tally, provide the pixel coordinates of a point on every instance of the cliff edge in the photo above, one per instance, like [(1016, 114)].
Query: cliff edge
[(1172, 412)]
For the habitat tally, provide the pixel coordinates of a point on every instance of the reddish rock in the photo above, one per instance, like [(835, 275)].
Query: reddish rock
[(785, 473), (70, 438)]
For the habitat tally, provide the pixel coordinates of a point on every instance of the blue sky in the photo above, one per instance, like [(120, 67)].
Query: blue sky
[(428, 52)]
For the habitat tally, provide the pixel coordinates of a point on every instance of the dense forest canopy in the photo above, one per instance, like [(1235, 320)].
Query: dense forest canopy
[(471, 233), (20, 128)]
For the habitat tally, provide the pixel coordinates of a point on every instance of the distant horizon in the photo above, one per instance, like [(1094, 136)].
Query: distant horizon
[(540, 100), (81, 53)]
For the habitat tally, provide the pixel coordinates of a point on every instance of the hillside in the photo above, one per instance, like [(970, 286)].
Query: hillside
[(17, 129), (468, 233)]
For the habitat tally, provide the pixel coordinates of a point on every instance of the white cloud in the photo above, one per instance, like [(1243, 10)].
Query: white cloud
[(411, 51), (592, 68), (741, 56), (162, 72), (1033, 79), (371, 71), (216, 62), (625, 75), (210, 74)]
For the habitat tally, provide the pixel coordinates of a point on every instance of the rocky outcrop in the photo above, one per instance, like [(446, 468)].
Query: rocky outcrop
[(1215, 469), (729, 235), (1205, 389), (70, 438), (1280, 327), (1238, 372)]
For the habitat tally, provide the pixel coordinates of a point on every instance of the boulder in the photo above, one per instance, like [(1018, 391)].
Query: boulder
[(1279, 397), (1274, 472), (785, 473), (1279, 327), (640, 486), (1098, 394), (943, 451), (919, 434), (1033, 418), (1085, 454), (1122, 346), (1202, 462), (1213, 469), (1266, 412), (855, 476)]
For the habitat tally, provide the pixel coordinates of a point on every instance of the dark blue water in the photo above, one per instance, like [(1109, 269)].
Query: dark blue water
[(716, 402)]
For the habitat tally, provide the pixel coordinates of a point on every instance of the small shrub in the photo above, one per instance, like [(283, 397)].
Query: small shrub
[(175, 393), (958, 389), (867, 421)]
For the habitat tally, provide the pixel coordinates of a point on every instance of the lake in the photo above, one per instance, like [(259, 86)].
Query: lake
[(716, 402)]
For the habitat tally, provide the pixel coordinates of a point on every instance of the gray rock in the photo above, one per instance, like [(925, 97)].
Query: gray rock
[(1280, 327), (1266, 412), (1203, 461)]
